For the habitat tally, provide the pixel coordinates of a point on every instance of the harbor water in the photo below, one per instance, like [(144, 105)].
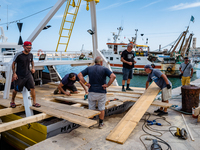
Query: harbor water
[(137, 81)]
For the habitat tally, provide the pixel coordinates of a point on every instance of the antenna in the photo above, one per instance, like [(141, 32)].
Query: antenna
[(7, 17)]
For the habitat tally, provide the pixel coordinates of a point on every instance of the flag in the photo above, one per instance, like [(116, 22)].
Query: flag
[(192, 19)]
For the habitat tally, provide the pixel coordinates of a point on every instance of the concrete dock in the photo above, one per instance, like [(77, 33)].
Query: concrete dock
[(95, 139)]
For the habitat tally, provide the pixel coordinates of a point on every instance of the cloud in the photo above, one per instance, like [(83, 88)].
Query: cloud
[(116, 5), (151, 4), (184, 6)]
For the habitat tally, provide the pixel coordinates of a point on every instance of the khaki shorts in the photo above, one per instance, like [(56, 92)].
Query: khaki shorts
[(185, 80), (97, 97), (166, 94)]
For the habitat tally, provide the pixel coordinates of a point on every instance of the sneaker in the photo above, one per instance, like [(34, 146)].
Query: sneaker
[(129, 89), (101, 125), (162, 113), (157, 111), (56, 91), (123, 90)]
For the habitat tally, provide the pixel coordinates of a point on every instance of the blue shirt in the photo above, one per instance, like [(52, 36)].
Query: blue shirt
[(97, 77), (66, 81), (155, 75)]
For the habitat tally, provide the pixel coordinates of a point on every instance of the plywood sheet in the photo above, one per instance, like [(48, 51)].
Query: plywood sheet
[(124, 128)]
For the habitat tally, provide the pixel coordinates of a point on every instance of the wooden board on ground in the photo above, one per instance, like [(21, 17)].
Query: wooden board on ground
[(23, 121), (8, 111), (72, 100), (124, 128), (67, 116)]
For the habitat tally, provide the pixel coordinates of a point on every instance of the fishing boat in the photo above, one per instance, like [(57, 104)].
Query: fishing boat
[(168, 61)]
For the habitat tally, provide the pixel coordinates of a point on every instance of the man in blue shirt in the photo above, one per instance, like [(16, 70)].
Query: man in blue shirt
[(97, 86), (68, 83), (162, 81)]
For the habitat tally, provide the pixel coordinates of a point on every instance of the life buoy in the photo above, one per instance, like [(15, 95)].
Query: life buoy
[(140, 49), (39, 51), (169, 69), (153, 66), (154, 59)]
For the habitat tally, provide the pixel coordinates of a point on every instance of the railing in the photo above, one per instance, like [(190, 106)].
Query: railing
[(6, 56)]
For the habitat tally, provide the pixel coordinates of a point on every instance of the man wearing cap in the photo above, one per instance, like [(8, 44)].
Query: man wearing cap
[(162, 81), (127, 57), (187, 70), (23, 75)]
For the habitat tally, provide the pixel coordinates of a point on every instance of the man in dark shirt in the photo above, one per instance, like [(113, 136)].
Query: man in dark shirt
[(97, 86), (127, 57), (23, 77), (68, 83)]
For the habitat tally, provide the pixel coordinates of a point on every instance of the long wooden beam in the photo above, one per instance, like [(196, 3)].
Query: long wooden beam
[(23, 121), (124, 128), (8, 111)]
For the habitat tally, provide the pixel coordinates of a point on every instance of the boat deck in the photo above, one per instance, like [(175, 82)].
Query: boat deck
[(85, 138)]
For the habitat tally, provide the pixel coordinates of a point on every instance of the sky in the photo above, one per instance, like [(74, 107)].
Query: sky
[(161, 21)]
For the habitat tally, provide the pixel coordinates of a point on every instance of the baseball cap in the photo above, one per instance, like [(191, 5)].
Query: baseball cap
[(27, 43), (148, 66)]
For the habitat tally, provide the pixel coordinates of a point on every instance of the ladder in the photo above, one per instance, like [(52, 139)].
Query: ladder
[(67, 25), (54, 76)]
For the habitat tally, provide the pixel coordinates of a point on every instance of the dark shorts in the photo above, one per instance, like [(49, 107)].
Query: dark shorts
[(127, 73), (27, 81), (71, 88)]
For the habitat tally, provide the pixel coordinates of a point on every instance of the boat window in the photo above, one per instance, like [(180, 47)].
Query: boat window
[(106, 57), (138, 58), (111, 58), (109, 46), (117, 57), (115, 49)]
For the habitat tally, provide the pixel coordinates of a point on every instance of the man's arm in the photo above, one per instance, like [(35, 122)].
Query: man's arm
[(86, 91), (61, 89), (147, 84), (180, 69), (14, 73), (33, 68), (191, 73), (127, 62), (165, 78), (112, 78), (80, 76)]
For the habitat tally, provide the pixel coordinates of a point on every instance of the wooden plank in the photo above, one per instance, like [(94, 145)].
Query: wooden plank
[(23, 121), (67, 116), (8, 111), (87, 113), (72, 100), (124, 128), (6, 102)]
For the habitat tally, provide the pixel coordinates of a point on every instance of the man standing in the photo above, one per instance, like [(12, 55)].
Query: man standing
[(97, 86), (162, 81), (23, 77), (185, 69), (68, 83), (127, 57)]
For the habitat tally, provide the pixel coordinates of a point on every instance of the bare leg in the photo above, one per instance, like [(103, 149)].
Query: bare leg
[(165, 109), (128, 81), (123, 82), (13, 96), (101, 116), (33, 95)]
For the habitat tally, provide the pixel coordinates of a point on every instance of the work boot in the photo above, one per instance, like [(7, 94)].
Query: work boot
[(129, 89), (101, 125), (123, 90), (157, 111), (162, 113)]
